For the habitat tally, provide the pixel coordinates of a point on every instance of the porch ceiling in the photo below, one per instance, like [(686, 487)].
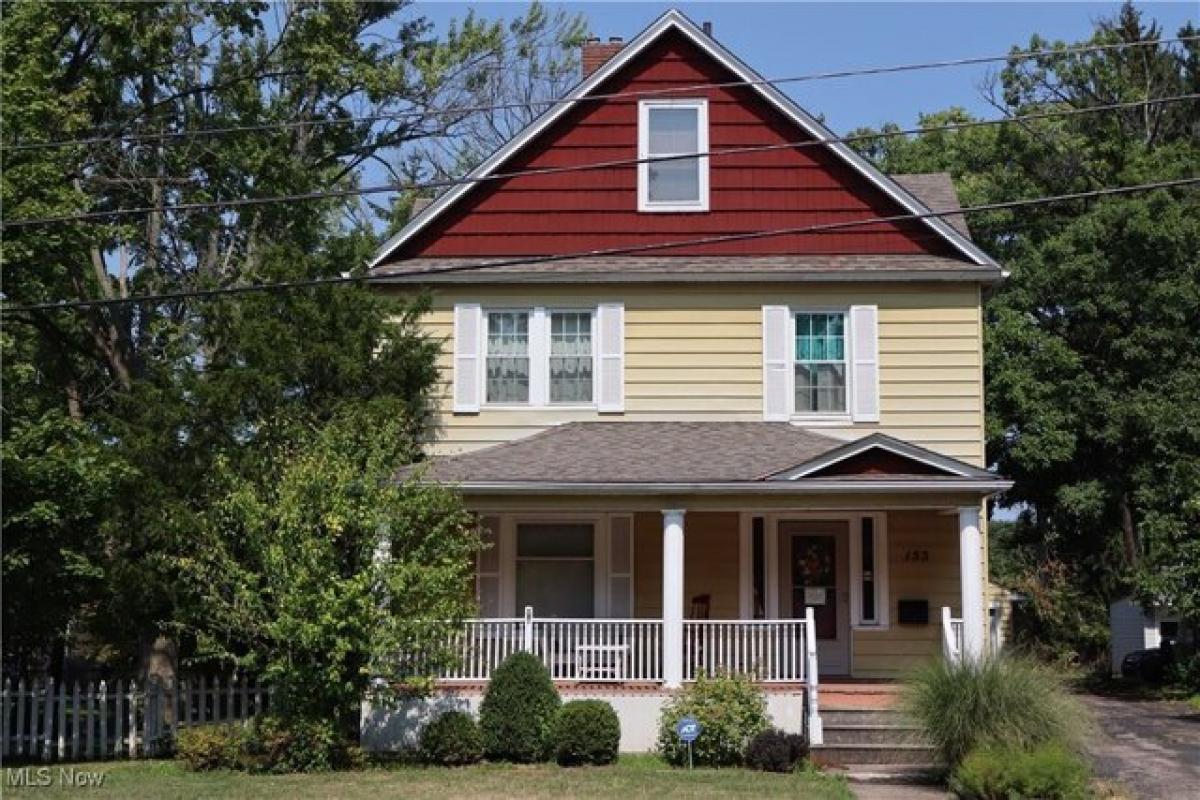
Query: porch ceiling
[(698, 457)]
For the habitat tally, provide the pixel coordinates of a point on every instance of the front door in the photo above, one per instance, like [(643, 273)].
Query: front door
[(815, 555)]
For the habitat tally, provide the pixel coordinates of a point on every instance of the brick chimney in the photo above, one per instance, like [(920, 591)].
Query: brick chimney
[(596, 53)]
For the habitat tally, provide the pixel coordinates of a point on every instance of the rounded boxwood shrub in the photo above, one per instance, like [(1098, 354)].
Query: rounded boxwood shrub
[(731, 711), (1047, 772), (518, 711), (586, 732), (775, 751), (452, 740)]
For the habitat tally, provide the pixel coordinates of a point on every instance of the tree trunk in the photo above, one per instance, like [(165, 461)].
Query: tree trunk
[(1129, 533)]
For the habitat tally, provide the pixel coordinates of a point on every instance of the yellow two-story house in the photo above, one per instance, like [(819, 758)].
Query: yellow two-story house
[(714, 385)]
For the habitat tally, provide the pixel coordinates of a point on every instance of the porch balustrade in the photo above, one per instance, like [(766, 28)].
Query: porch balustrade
[(631, 650)]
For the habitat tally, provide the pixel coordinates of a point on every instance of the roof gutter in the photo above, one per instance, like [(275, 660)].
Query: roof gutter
[(984, 487)]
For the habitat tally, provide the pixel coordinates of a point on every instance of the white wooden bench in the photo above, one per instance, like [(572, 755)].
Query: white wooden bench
[(600, 661)]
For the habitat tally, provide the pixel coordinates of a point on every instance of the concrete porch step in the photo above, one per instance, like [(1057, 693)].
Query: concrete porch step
[(871, 734), (839, 715), (843, 754), (906, 774)]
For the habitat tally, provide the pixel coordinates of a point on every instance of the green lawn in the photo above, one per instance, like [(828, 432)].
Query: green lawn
[(633, 776)]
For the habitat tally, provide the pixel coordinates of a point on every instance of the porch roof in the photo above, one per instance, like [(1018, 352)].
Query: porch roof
[(700, 456)]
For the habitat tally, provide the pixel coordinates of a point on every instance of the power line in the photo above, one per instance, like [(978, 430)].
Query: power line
[(596, 253), (548, 103), (496, 176)]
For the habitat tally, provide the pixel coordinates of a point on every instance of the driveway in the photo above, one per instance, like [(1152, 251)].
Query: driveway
[(1152, 747)]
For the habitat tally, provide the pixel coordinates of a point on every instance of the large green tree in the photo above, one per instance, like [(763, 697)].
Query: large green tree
[(1093, 342), (153, 395), (323, 574)]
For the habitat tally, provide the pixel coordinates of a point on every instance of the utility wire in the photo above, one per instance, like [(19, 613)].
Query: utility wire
[(548, 103), (497, 176), (415, 277)]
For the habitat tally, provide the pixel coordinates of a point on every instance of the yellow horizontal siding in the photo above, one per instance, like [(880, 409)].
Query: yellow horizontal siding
[(892, 652), (695, 353)]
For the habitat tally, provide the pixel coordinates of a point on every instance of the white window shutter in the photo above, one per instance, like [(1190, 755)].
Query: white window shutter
[(776, 329), (864, 336), (610, 357), (487, 568), (620, 566), (468, 340)]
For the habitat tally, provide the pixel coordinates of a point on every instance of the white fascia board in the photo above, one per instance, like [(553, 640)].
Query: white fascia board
[(675, 19)]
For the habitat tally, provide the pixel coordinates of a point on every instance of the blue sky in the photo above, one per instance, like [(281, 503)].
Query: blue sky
[(781, 39)]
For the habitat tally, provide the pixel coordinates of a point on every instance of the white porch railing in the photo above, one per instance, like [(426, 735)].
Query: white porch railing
[(952, 636), (609, 650), (619, 650), (771, 651)]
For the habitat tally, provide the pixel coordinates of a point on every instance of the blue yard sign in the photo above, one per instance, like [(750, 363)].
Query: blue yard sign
[(688, 730)]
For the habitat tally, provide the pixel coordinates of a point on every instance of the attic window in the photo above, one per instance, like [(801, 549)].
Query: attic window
[(672, 128)]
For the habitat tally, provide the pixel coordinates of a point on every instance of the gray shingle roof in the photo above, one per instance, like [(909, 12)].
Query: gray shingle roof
[(688, 268), (936, 191), (652, 453)]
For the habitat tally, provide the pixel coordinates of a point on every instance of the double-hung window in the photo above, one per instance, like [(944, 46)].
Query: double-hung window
[(821, 363), (508, 364), (555, 570), (539, 357), (571, 360), (666, 128)]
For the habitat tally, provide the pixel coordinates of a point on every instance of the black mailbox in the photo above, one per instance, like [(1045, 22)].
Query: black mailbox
[(913, 612)]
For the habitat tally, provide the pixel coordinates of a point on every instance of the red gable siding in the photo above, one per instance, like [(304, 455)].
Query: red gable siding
[(576, 211)]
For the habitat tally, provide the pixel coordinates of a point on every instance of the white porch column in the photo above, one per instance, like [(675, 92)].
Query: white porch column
[(970, 551), (672, 604)]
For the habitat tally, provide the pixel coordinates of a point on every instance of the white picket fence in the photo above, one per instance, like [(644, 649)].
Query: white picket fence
[(42, 721)]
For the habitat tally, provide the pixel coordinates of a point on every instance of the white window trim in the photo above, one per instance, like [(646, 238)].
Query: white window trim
[(601, 555), (539, 359), (644, 202), (846, 416), (882, 598)]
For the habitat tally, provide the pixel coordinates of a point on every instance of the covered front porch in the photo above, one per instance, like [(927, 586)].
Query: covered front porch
[(632, 558), (781, 595)]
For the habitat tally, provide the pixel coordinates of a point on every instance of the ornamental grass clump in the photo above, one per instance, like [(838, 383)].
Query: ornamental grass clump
[(1004, 701)]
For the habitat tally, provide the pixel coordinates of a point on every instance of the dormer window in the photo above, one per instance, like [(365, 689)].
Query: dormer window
[(673, 127)]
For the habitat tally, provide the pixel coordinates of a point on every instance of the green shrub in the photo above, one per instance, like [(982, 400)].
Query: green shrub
[(518, 711), (452, 739), (1001, 701), (586, 732), (731, 711), (207, 747), (773, 750), (1048, 772), (279, 745)]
